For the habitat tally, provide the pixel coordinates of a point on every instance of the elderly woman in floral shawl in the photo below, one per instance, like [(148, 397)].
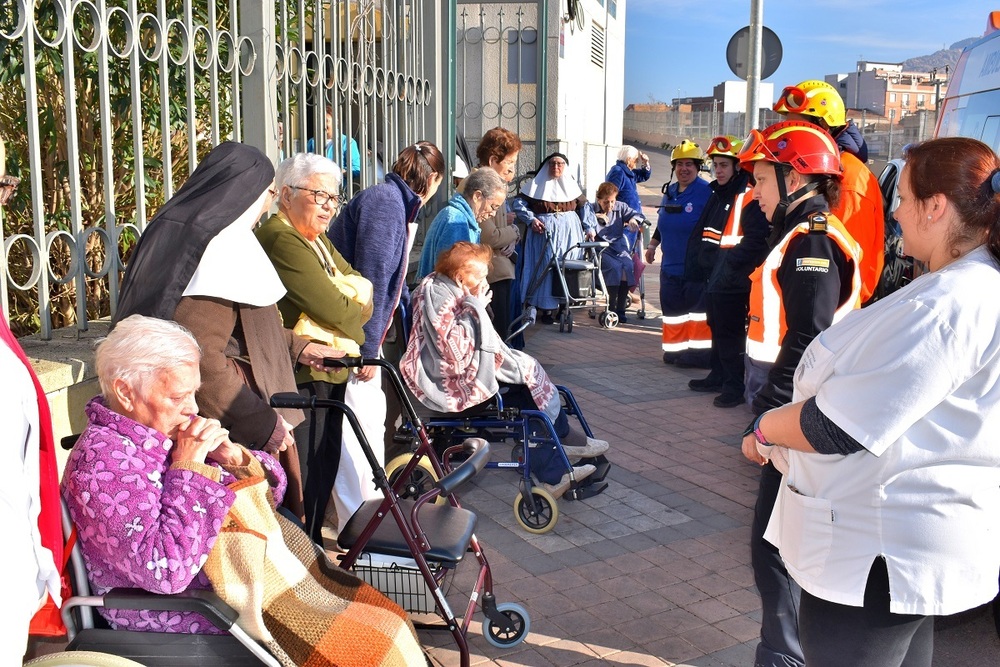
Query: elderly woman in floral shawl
[(163, 500), (455, 359)]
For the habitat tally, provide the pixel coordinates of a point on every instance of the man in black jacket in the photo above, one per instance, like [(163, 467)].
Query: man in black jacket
[(733, 243)]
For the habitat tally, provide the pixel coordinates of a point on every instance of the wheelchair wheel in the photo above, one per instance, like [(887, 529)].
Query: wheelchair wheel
[(95, 659), (628, 300), (519, 618), (422, 479), (543, 518)]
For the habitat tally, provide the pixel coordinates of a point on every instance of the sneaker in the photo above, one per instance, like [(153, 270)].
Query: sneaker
[(709, 384), (728, 400)]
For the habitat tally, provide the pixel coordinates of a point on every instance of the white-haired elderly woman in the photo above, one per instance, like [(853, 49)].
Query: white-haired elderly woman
[(631, 168), (312, 272), (480, 195), (163, 500)]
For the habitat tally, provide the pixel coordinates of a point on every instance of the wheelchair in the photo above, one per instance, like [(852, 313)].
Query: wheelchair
[(535, 508), (433, 537)]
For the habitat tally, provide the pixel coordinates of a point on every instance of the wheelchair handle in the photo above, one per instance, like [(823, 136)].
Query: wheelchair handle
[(479, 455)]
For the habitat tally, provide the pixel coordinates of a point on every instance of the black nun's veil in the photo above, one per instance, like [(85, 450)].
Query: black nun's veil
[(229, 180)]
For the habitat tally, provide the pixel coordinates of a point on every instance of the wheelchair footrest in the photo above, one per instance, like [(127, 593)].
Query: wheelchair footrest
[(584, 492)]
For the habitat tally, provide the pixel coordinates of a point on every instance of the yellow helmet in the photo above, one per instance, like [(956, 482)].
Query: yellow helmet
[(813, 98), (686, 150), (727, 146)]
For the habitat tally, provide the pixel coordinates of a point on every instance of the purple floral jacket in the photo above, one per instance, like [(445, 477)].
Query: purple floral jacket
[(142, 523)]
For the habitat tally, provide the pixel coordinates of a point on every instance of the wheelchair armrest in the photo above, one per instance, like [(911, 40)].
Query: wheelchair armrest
[(204, 602), (479, 455)]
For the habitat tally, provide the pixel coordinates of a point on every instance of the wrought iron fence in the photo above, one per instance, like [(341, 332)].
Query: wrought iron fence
[(109, 104)]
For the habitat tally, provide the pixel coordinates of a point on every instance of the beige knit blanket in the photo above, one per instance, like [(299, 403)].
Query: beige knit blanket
[(291, 598)]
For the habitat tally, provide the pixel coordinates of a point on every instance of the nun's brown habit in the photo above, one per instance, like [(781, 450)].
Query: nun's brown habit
[(247, 354)]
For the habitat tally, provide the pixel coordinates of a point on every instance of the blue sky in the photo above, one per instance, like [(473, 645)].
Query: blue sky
[(680, 45)]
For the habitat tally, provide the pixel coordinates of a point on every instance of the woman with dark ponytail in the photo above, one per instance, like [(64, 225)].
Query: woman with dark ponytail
[(890, 498)]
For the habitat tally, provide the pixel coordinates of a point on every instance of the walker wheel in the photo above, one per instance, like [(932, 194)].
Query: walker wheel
[(517, 454), (628, 300), (592, 313), (609, 319), (641, 314), (543, 518), (503, 638), (422, 479)]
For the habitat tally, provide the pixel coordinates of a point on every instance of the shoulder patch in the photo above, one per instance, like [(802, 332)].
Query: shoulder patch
[(817, 222), (812, 264)]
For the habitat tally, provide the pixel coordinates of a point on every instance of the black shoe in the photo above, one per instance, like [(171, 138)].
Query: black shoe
[(669, 358), (546, 318), (708, 384), (728, 400), (621, 317)]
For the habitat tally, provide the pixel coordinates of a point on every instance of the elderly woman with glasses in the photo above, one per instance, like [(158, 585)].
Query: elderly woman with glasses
[(198, 263), (482, 192), (324, 288)]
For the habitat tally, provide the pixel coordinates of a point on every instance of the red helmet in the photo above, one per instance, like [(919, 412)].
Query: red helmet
[(803, 146)]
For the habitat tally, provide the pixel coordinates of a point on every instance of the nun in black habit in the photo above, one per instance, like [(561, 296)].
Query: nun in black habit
[(198, 263)]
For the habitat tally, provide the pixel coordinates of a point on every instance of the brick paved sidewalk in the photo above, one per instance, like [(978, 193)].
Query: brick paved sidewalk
[(654, 571)]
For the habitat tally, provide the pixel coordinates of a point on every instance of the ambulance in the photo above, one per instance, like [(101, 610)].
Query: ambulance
[(971, 108)]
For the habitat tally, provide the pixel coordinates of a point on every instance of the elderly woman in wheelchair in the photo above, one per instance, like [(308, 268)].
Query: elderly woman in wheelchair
[(164, 501), (455, 360)]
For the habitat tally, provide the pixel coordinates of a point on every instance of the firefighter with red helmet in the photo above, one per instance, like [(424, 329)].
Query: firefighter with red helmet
[(810, 279), (860, 206)]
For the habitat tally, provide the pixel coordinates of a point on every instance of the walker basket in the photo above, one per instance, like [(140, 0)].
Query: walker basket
[(399, 579)]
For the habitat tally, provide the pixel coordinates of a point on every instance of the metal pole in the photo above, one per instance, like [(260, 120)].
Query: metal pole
[(754, 60), (543, 81), (258, 94), (892, 115)]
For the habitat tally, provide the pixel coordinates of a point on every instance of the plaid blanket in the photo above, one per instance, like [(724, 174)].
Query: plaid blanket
[(455, 359), (290, 597)]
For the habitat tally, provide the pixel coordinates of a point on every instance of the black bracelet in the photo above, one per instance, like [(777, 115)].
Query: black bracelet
[(754, 425)]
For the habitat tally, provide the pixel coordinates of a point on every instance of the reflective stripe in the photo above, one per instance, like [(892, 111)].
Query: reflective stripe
[(767, 325), (733, 233), (711, 235), (686, 332)]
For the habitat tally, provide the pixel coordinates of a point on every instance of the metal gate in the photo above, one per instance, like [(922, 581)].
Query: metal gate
[(109, 104), (501, 56)]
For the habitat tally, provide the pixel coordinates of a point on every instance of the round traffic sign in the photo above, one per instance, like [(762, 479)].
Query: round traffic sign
[(738, 52)]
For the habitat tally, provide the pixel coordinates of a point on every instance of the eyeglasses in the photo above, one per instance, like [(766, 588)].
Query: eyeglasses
[(792, 100), (321, 198), (8, 186), (557, 163)]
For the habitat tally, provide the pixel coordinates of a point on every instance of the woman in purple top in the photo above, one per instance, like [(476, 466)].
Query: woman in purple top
[(146, 482)]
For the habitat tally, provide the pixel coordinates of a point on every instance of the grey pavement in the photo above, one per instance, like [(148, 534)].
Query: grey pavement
[(654, 571)]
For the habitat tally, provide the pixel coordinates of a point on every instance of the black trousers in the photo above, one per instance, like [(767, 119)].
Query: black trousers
[(779, 594), (727, 318), (318, 440), (501, 306), (870, 636)]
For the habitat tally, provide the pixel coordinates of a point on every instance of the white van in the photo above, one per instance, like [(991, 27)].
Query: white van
[(971, 108)]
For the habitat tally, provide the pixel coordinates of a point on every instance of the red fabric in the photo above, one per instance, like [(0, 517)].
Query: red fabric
[(47, 621), (638, 266)]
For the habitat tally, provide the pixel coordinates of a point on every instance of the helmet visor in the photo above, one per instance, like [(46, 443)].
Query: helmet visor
[(792, 100), (721, 145), (755, 148)]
